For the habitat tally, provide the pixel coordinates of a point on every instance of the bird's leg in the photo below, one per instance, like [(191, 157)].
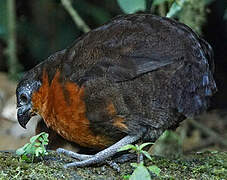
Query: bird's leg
[(121, 159), (75, 155), (125, 157), (105, 154)]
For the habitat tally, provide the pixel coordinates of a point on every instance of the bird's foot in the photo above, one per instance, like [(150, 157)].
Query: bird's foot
[(82, 157), (113, 163), (100, 157)]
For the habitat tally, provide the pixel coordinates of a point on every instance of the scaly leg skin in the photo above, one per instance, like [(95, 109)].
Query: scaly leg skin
[(121, 159), (74, 155), (125, 157), (112, 163), (102, 155), (82, 157)]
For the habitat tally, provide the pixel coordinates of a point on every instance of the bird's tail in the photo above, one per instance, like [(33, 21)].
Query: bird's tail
[(194, 84)]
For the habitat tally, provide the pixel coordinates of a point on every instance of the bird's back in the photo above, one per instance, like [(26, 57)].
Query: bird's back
[(159, 64)]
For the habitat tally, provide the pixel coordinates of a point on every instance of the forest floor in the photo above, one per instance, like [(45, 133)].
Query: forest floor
[(207, 165)]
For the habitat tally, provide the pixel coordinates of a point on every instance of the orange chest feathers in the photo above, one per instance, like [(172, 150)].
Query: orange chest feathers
[(63, 110)]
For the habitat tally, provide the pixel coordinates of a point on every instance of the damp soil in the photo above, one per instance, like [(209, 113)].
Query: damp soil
[(206, 165)]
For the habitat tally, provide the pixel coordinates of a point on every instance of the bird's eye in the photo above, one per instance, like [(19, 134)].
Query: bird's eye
[(23, 98)]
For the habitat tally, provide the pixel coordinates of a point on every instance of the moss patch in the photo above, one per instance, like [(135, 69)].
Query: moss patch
[(208, 165)]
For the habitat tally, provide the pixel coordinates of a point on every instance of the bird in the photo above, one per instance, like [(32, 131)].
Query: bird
[(126, 81)]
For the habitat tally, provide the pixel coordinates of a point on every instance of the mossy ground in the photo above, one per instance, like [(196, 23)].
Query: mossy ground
[(208, 165)]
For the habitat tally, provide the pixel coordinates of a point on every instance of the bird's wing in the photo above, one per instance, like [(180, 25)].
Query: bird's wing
[(127, 67)]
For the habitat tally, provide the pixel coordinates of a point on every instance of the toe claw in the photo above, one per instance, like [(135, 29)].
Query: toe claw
[(60, 150), (66, 166), (73, 164), (113, 165)]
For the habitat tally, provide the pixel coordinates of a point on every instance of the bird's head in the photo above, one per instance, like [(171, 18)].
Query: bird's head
[(24, 92)]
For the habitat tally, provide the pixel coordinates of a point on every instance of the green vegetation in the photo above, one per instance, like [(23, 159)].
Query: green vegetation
[(30, 37), (141, 171), (138, 149), (34, 149), (207, 165), (191, 12)]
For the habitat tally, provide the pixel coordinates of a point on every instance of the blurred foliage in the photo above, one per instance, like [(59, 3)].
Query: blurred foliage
[(194, 14), (169, 144), (132, 6), (3, 19), (191, 12), (44, 26)]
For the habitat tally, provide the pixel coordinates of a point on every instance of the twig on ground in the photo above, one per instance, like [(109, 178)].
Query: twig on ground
[(11, 51)]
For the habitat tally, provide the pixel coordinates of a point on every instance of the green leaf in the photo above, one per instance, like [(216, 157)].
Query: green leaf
[(30, 149), (154, 169), (40, 137), (140, 172), (135, 165), (132, 6), (127, 147), (38, 151), (207, 2), (20, 151), (36, 147), (37, 144), (174, 9), (44, 143), (25, 158), (34, 138), (158, 2), (144, 145), (126, 176), (45, 136), (146, 154)]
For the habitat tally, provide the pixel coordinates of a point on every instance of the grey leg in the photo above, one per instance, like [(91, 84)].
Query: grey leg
[(80, 157), (106, 153), (125, 157), (113, 165)]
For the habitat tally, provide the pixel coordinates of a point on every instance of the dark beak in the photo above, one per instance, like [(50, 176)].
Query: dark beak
[(24, 115)]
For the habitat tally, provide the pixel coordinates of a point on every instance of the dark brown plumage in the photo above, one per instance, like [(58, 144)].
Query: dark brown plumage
[(131, 78)]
